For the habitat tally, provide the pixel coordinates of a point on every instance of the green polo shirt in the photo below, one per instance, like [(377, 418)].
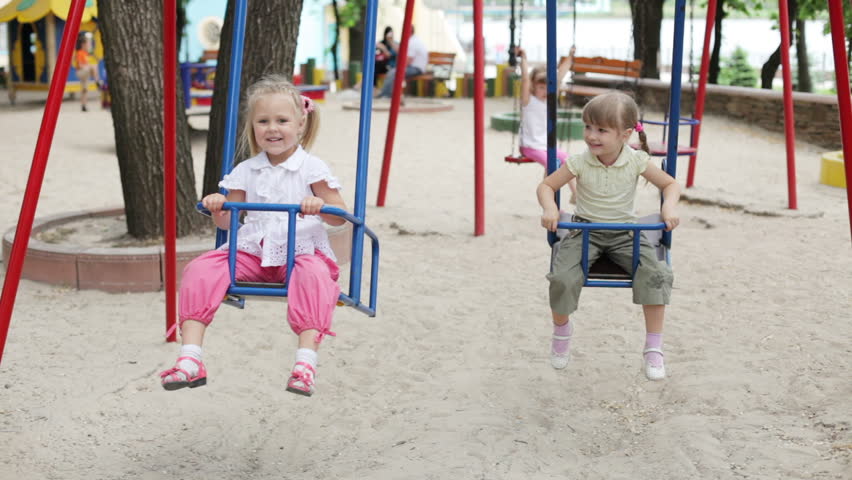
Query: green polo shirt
[(607, 194)]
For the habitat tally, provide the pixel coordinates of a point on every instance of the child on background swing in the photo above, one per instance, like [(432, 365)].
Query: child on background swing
[(533, 130)]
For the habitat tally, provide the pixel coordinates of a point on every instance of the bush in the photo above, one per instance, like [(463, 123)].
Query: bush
[(736, 70)]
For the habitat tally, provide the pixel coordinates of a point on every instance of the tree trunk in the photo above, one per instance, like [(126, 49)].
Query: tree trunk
[(356, 37), (336, 39), (803, 66), (272, 28), (133, 50), (647, 22), (714, 69), (768, 70)]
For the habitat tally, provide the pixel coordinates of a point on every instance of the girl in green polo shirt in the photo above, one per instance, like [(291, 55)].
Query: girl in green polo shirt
[(607, 174)]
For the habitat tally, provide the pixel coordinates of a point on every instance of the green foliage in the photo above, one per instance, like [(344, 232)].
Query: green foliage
[(350, 13), (737, 72)]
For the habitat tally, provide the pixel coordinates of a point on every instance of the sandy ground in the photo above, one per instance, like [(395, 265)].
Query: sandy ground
[(451, 379)]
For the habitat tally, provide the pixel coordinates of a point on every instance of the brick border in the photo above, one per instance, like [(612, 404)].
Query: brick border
[(128, 269)]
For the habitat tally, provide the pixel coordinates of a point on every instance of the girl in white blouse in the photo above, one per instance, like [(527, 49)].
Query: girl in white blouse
[(279, 124)]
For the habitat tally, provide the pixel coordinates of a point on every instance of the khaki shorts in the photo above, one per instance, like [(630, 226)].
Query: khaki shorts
[(84, 74), (652, 284)]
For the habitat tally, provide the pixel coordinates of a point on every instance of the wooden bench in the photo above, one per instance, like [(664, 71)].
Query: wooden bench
[(439, 68), (625, 69)]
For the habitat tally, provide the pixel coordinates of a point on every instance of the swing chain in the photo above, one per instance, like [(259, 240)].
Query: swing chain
[(516, 102)]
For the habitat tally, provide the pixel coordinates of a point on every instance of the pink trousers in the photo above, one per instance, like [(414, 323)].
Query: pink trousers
[(540, 156), (311, 296)]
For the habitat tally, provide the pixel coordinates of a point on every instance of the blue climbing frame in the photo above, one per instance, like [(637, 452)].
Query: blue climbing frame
[(669, 163), (357, 219)]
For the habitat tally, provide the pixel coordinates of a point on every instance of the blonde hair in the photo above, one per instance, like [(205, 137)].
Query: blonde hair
[(615, 110), (269, 85), (535, 72)]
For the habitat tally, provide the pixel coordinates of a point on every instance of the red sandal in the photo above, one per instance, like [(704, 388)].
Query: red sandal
[(302, 379), (172, 381)]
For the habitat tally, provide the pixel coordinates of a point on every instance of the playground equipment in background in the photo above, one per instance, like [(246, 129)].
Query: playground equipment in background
[(569, 126), (478, 89), (35, 30), (621, 70), (198, 79), (432, 82), (831, 169), (569, 123), (660, 149)]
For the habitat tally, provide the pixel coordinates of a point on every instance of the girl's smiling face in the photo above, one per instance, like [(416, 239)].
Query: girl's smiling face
[(277, 126), (605, 142)]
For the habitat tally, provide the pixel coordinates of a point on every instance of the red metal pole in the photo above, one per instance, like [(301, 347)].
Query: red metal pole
[(399, 77), (170, 160), (479, 119), (789, 122), (39, 164), (844, 102), (702, 88)]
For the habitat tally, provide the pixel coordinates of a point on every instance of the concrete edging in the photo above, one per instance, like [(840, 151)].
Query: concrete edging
[(125, 269)]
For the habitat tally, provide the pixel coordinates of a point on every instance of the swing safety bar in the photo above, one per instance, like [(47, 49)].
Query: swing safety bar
[(588, 227), (280, 289)]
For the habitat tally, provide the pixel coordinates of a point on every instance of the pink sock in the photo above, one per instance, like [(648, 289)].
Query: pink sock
[(654, 340), (562, 346)]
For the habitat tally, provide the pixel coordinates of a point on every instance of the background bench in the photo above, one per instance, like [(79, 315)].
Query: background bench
[(619, 70), (438, 69)]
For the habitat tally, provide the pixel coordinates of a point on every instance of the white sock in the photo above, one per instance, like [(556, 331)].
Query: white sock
[(192, 351), (308, 356)]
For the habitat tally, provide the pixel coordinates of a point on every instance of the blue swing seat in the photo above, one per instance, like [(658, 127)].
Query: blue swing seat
[(604, 272), (237, 291)]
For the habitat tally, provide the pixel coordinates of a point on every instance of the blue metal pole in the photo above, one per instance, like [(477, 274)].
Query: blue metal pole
[(360, 207), (232, 105), (232, 244), (551, 98), (674, 97)]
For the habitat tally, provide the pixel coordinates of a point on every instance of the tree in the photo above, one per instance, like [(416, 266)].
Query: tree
[(803, 69), (272, 29), (737, 70), (349, 16), (336, 42), (713, 65), (745, 6), (133, 45), (770, 67), (647, 22)]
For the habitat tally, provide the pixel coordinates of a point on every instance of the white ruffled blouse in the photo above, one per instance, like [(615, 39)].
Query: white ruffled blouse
[(264, 234)]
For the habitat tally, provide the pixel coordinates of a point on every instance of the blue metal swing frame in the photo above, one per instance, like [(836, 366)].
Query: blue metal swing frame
[(669, 162), (237, 289)]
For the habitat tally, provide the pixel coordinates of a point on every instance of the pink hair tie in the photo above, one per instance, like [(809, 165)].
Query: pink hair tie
[(307, 105), (639, 127)]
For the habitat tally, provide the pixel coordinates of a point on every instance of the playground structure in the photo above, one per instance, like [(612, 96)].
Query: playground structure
[(238, 290), (197, 80), (57, 89), (48, 127), (569, 125), (831, 169), (35, 32), (478, 109)]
